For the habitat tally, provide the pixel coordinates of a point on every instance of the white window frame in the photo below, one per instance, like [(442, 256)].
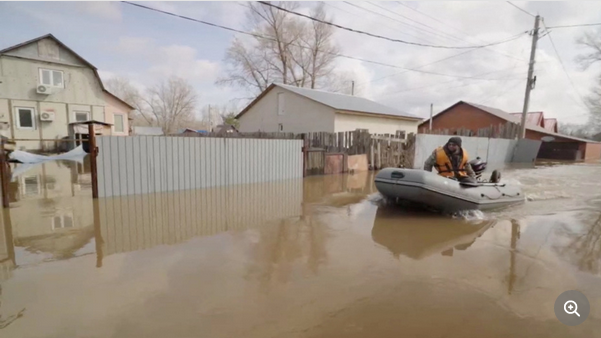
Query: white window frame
[(41, 72), (75, 112), (62, 218), (18, 118), (24, 188), (122, 123)]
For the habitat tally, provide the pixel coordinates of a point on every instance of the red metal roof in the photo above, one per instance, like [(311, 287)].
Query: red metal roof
[(533, 118), (551, 125)]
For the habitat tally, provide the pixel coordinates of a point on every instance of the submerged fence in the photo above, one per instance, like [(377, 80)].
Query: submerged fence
[(149, 164)]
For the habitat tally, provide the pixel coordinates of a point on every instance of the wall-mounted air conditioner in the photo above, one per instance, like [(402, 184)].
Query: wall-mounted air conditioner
[(47, 116)]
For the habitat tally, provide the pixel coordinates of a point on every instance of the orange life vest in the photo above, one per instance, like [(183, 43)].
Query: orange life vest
[(444, 166)]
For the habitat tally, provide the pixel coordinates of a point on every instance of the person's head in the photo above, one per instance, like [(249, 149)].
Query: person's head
[(454, 144)]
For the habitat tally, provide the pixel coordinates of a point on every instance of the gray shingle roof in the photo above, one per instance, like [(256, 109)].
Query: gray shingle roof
[(346, 102)]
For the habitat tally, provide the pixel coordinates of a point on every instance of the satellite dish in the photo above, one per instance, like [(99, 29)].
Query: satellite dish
[(547, 138)]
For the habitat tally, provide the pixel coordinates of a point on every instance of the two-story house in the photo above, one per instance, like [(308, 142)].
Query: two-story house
[(44, 86)]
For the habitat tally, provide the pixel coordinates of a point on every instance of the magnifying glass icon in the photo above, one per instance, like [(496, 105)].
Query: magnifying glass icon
[(571, 308)]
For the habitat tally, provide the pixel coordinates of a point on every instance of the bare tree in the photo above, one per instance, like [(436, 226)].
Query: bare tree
[(170, 104), (592, 42), (289, 51), (213, 115), (123, 89)]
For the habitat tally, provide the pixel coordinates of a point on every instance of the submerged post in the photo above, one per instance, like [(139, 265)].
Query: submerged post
[(93, 154), (3, 172)]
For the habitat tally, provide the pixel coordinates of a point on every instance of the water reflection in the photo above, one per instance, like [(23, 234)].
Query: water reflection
[(420, 235), (584, 246)]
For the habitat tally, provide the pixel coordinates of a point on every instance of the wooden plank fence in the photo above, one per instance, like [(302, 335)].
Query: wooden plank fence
[(505, 131)]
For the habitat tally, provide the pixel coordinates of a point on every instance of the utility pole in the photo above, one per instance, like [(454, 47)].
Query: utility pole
[(210, 121), (431, 111), (353, 88), (530, 79)]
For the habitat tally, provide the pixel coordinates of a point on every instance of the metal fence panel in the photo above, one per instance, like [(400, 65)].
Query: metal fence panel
[(146, 164)]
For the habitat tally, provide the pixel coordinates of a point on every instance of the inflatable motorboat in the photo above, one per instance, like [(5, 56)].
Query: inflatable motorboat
[(445, 194)]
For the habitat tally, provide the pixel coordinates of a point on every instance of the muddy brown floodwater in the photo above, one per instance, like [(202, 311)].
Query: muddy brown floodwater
[(320, 257)]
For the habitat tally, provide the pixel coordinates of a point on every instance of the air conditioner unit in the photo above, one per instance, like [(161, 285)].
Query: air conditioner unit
[(47, 116), (44, 90)]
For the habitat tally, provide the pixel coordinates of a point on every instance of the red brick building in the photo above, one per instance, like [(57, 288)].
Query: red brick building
[(465, 115)]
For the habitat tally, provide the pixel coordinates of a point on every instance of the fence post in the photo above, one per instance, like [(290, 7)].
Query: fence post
[(93, 153), (304, 149), (3, 164)]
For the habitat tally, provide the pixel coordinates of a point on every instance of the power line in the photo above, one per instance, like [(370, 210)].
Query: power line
[(563, 67), (434, 31), (419, 23), (577, 25), (395, 29), (300, 46), (367, 33), (362, 17), (521, 9), (492, 50), (474, 77)]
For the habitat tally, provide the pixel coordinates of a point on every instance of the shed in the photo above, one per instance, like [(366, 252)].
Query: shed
[(285, 108)]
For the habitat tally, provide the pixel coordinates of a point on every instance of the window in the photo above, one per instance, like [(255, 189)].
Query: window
[(30, 185), (62, 221), (53, 78), (25, 118), (81, 116), (280, 127), (281, 104), (118, 123)]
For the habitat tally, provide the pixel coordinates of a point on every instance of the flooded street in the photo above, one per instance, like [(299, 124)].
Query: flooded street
[(319, 257)]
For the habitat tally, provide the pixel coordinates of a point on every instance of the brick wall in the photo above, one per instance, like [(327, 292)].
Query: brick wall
[(462, 116)]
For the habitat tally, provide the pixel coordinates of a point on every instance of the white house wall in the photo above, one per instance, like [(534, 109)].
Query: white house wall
[(300, 114), (375, 124), (20, 79), (20, 75)]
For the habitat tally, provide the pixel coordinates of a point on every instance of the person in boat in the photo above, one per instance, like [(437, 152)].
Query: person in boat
[(451, 161)]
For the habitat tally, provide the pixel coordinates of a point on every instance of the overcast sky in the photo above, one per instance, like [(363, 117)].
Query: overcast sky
[(120, 39)]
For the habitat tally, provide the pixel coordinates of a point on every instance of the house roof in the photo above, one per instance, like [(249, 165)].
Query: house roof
[(337, 101), (535, 118), (510, 118), (118, 99), (147, 131), (551, 124), (84, 61)]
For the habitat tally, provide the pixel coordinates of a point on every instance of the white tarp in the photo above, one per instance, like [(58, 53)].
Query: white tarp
[(76, 154), (30, 160)]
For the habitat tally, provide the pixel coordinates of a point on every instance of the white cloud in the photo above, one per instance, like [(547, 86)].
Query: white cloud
[(182, 61), (104, 10), (134, 46)]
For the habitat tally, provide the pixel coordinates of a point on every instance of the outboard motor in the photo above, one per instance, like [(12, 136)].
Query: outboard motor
[(479, 167)]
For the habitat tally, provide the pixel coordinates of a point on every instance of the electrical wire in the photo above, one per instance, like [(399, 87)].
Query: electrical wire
[(521, 9), (577, 25), (447, 35), (300, 46), (396, 29), (564, 68), (492, 50), (396, 20), (370, 34), (474, 77)]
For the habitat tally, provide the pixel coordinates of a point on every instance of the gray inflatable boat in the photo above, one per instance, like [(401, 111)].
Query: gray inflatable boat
[(447, 195)]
